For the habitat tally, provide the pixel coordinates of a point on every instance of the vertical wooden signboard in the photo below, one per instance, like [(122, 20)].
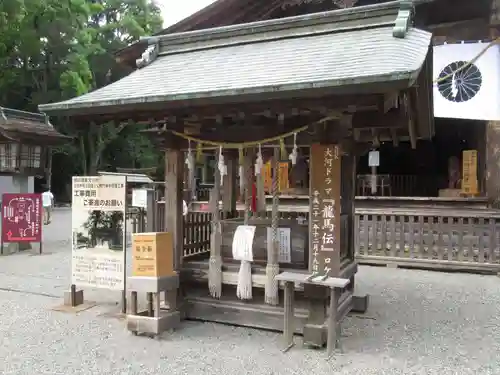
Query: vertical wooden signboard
[(324, 226), (267, 176), (284, 184), (469, 172)]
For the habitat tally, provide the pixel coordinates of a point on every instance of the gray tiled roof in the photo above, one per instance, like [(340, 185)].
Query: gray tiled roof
[(330, 59)]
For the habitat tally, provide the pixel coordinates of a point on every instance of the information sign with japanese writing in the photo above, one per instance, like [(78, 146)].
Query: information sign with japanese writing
[(324, 236), (98, 232), (22, 218)]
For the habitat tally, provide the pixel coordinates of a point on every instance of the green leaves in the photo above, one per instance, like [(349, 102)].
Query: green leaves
[(52, 50)]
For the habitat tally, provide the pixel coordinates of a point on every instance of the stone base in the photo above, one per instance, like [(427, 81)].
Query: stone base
[(360, 303), (78, 298), (15, 247)]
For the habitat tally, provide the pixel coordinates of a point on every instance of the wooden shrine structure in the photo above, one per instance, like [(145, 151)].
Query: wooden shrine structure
[(322, 86)]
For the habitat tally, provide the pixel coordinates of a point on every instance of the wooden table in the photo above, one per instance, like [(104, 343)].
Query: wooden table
[(334, 284)]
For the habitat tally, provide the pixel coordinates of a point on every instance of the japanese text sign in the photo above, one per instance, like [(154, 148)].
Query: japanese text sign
[(22, 218), (104, 193), (324, 236)]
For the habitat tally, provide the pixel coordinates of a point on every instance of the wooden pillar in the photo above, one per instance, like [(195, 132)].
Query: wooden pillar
[(204, 169), (215, 263), (493, 163), (248, 175), (174, 171), (229, 186), (48, 174)]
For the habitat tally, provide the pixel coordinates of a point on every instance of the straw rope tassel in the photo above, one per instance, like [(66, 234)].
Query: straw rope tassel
[(272, 268), (244, 288), (215, 264)]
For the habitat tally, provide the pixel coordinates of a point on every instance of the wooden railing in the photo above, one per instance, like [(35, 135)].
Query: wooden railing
[(398, 185), (466, 239), (197, 229)]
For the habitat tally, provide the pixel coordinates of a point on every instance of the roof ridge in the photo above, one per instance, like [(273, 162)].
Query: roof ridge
[(364, 13), (269, 37)]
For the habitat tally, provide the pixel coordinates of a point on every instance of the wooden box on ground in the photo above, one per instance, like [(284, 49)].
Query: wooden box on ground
[(152, 254)]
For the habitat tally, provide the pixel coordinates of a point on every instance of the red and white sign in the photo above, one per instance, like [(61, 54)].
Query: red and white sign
[(22, 217)]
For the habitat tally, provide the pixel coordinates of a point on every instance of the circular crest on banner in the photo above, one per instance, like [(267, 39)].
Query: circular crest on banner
[(460, 86)]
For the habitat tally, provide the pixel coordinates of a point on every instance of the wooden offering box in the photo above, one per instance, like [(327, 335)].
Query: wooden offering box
[(152, 254)]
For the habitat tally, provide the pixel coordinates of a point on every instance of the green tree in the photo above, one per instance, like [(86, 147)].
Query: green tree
[(51, 50)]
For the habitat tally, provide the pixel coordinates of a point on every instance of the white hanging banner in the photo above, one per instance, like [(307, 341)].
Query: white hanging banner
[(472, 93), (243, 242)]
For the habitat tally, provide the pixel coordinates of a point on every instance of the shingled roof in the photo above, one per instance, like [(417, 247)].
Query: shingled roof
[(16, 126), (337, 51)]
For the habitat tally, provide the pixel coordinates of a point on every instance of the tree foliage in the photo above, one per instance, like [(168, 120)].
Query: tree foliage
[(51, 50)]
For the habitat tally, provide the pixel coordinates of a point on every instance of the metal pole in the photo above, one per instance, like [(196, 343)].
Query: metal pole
[(124, 244)]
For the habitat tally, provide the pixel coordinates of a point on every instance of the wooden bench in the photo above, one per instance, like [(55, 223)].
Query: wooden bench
[(336, 285)]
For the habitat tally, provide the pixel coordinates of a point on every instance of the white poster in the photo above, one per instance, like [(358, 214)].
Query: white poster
[(97, 210), (284, 244), (472, 92), (243, 242), (140, 198)]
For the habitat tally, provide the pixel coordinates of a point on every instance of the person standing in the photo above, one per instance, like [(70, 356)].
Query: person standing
[(48, 204)]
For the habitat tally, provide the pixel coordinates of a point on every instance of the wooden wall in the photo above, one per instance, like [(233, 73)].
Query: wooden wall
[(492, 175)]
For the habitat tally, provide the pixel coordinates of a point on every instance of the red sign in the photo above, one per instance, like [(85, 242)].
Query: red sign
[(22, 218)]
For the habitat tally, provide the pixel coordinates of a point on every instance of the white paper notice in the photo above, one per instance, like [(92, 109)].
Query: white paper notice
[(243, 242), (284, 244), (140, 198)]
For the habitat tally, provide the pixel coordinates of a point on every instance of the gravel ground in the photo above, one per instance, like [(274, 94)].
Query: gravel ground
[(418, 323)]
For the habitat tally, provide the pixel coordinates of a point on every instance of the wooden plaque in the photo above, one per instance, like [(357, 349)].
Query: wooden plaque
[(469, 172), (283, 182), (152, 254), (267, 176), (324, 217)]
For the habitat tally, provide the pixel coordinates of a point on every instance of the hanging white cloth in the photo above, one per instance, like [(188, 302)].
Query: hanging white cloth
[(294, 154), (189, 158), (259, 162), (243, 251), (222, 166)]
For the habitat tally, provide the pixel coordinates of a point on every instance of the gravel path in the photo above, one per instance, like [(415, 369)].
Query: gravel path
[(418, 323)]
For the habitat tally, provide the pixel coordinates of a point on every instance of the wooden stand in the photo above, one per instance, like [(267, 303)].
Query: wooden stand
[(336, 313), (153, 321)]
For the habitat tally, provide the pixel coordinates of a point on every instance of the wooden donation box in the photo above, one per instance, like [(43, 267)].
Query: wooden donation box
[(152, 254)]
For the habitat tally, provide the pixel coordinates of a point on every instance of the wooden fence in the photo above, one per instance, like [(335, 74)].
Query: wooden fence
[(197, 229), (454, 240)]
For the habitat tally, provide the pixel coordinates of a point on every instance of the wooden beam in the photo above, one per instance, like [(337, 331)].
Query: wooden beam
[(165, 112), (389, 101), (393, 119)]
